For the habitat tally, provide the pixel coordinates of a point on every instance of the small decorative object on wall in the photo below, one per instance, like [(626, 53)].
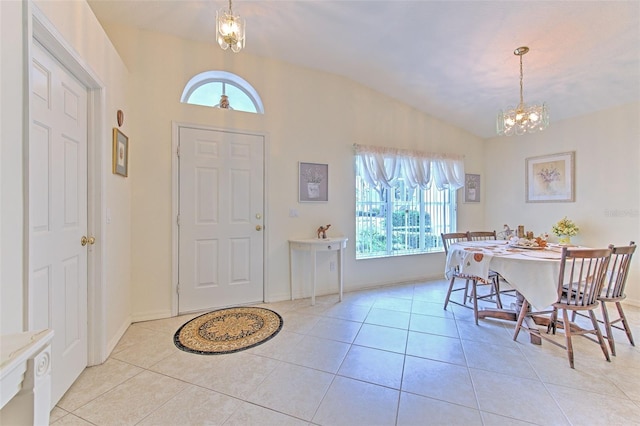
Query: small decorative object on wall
[(313, 182), (120, 153), (550, 178), (322, 231), (471, 188), (120, 117)]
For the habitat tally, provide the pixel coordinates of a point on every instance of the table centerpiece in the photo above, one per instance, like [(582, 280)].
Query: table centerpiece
[(564, 230)]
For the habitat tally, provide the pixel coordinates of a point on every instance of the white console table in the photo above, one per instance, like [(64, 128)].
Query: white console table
[(313, 246), (25, 378)]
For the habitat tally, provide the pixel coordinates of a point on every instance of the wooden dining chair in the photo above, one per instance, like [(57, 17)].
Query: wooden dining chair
[(447, 240), (580, 281), (481, 235), (613, 292), (493, 275)]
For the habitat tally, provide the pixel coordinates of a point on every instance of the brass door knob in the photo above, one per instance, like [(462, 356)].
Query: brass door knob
[(84, 240), (258, 228)]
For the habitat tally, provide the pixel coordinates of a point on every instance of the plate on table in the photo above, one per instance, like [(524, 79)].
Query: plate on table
[(526, 247)]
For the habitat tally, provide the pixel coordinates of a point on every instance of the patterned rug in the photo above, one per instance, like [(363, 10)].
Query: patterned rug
[(228, 330)]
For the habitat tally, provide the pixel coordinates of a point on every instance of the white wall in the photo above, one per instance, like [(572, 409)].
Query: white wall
[(607, 203), (310, 116), (11, 181), (81, 32)]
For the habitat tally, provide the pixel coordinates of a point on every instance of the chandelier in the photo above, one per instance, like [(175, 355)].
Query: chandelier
[(230, 30), (523, 118)]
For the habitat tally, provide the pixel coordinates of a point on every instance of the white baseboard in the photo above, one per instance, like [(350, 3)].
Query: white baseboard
[(151, 315), (357, 287), (111, 344)]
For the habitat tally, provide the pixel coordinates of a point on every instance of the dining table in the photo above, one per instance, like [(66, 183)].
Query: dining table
[(531, 271)]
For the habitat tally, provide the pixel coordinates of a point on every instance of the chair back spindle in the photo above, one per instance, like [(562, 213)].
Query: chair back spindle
[(618, 271), (582, 276), (452, 238), (481, 235)]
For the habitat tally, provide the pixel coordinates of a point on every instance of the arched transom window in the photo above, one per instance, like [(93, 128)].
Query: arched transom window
[(221, 89)]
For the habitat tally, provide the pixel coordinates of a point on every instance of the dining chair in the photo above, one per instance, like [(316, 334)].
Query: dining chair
[(580, 281), (613, 292), (493, 275), (447, 240)]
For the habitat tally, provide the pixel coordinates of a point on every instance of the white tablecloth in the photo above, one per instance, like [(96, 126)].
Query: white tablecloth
[(533, 273)]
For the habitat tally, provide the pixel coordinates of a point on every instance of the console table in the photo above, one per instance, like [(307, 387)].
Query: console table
[(313, 246), (25, 377)]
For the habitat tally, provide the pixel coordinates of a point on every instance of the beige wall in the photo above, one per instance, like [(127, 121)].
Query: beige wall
[(607, 177), (75, 23), (310, 116)]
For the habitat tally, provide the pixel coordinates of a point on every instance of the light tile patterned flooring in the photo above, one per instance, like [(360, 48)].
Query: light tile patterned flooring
[(389, 356)]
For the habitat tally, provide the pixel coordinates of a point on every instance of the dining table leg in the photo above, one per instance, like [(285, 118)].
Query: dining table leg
[(512, 315)]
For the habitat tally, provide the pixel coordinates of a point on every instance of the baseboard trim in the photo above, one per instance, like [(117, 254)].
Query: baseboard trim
[(150, 316), (113, 342)]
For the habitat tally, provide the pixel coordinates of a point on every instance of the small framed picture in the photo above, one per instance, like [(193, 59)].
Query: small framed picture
[(313, 182), (471, 188), (120, 153), (550, 178)]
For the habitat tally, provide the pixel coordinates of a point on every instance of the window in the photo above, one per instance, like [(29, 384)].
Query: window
[(208, 89), (404, 202)]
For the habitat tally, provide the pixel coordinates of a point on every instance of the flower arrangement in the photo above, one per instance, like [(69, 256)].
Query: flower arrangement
[(549, 175), (312, 175), (565, 227)]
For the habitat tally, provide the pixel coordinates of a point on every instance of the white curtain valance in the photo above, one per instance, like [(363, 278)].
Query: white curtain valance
[(382, 167)]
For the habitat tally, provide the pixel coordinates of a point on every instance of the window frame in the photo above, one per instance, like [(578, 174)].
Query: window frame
[(223, 77), (447, 208)]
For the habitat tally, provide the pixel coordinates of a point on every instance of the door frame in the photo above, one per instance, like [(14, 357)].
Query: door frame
[(41, 29), (175, 204)]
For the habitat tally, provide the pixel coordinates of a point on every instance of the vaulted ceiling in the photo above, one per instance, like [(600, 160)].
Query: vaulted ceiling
[(451, 59)]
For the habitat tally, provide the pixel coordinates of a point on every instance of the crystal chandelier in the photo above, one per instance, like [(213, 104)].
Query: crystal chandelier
[(523, 118), (230, 30)]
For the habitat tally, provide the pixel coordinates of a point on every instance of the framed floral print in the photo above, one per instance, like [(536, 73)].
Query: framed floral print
[(471, 188), (120, 153), (313, 182), (550, 178)]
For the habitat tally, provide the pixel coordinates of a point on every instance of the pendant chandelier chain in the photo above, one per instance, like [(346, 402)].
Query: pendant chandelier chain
[(521, 84)]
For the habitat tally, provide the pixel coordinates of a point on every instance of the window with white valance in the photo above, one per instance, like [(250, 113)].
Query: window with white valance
[(384, 166), (404, 200)]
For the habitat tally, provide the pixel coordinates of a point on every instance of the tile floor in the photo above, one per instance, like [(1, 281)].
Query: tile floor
[(390, 356)]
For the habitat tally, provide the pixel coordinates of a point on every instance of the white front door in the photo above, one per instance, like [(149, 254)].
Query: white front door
[(221, 202), (57, 284)]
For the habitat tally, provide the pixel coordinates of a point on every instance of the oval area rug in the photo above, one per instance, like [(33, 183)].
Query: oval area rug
[(228, 330)]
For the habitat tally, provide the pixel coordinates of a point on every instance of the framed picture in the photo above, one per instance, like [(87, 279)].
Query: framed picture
[(471, 188), (120, 153), (550, 178), (313, 182)]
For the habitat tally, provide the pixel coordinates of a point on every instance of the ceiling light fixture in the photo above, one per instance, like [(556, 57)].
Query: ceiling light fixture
[(230, 30), (523, 118)]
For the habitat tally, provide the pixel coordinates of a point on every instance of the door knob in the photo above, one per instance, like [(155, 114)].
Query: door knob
[(84, 241), (258, 228)]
